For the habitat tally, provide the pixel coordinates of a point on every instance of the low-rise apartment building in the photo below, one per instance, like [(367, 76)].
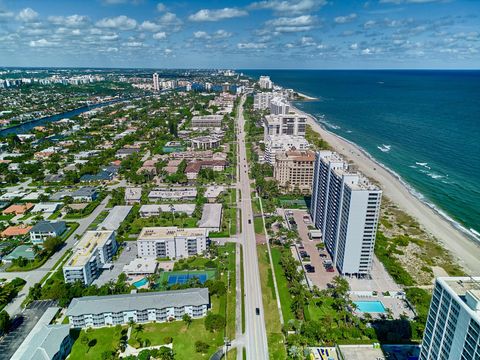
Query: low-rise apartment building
[(294, 170), (174, 193), (133, 195), (46, 229), (98, 311), (207, 121), (94, 250), (171, 242)]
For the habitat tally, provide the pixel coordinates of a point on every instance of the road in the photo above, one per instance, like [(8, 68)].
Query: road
[(34, 276), (255, 331)]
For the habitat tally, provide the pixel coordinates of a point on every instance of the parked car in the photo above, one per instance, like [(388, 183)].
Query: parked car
[(322, 255), (330, 269)]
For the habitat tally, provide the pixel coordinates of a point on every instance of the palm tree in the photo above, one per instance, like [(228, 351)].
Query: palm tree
[(187, 319), (139, 329)]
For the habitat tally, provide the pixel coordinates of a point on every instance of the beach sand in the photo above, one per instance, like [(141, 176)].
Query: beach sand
[(466, 251)]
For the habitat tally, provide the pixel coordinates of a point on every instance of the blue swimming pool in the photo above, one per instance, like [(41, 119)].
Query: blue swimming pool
[(140, 283), (370, 306)]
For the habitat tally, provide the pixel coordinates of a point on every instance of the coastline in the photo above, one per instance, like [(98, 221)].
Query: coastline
[(464, 249), (306, 97)]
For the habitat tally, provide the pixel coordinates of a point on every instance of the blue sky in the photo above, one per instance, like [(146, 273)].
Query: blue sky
[(241, 34)]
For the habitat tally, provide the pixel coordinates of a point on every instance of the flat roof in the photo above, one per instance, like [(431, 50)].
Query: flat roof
[(213, 191), (185, 208), (115, 217), (170, 232), (138, 301), (361, 352), (211, 216), (460, 286), (141, 265), (133, 193), (87, 244)]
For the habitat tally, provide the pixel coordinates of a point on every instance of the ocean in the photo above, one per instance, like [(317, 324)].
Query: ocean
[(422, 125)]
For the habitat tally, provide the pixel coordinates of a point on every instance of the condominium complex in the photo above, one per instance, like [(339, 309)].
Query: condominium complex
[(279, 106), (265, 82), (207, 121), (279, 143), (452, 331), (261, 100), (98, 311), (292, 124), (94, 250), (171, 242), (294, 170), (345, 207)]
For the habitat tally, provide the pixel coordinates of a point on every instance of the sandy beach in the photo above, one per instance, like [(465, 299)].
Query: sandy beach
[(464, 249)]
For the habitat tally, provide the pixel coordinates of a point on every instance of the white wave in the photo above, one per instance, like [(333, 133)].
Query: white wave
[(384, 148)]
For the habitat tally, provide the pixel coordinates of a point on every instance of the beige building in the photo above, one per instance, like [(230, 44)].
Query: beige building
[(294, 170)]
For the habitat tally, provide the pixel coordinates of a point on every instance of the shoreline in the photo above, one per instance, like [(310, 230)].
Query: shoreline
[(464, 248), (306, 97)]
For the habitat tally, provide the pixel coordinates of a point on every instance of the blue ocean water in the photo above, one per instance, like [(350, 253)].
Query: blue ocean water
[(423, 125)]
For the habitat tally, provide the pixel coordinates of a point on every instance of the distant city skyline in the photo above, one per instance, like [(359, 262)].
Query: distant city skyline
[(304, 34)]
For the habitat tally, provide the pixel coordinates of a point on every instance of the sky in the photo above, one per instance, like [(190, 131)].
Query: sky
[(264, 34)]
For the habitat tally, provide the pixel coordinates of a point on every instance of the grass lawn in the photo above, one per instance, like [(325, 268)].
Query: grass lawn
[(98, 220), (285, 298), (184, 337), (258, 225), (104, 339), (275, 339)]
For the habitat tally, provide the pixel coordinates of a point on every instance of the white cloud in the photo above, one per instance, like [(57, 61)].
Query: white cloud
[(289, 7), (6, 15), (369, 24), (121, 22), (27, 15), (354, 46), (219, 34), (251, 46), (397, 2), (149, 26), (69, 21), (370, 51), (134, 44), (345, 19), (160, 35), (216, 15), (201, 35), (109, 37), (112, 49), (161, 7), (302, 20), (41, 43)]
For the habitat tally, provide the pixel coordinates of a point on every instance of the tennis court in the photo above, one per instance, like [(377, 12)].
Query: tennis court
[(182, 277)]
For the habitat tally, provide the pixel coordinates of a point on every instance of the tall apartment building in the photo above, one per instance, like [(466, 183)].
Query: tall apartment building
[(171, 242), (294, 170), (156, 84), (292, 124), (265, 82), (452, 331), (345, 207), (279, 143), (279, 106), (94, 250), (261, 100)]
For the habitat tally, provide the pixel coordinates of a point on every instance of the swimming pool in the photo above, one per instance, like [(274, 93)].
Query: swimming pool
[(370, 306), (140, 283)]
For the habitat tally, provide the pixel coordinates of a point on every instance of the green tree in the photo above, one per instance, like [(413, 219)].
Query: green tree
[(4, 322), (187, 319), (214, 322), (201, 347)]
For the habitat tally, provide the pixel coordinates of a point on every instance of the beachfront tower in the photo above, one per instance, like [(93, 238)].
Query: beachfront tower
[(452, 331), (345, 207)]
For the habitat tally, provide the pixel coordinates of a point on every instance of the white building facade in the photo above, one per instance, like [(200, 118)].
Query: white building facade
[(261, 100), (265, 82), (171, 242), (94, 250), (278, 143), (346, 208), (291, 124), (99, 311), (452, 331)]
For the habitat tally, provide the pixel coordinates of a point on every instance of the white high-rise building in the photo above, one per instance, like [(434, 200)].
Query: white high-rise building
[(261, 100), (452, 331), (279, 106), (345, 207), (291, 124), (279, 143), (156, 84), (265, 82)]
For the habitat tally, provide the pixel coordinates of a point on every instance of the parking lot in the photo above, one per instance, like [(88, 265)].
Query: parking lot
[(129, 253), (21, 326), (320, 277)]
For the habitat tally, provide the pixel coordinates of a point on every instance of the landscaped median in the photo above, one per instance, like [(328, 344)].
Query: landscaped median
[(276, 347)]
